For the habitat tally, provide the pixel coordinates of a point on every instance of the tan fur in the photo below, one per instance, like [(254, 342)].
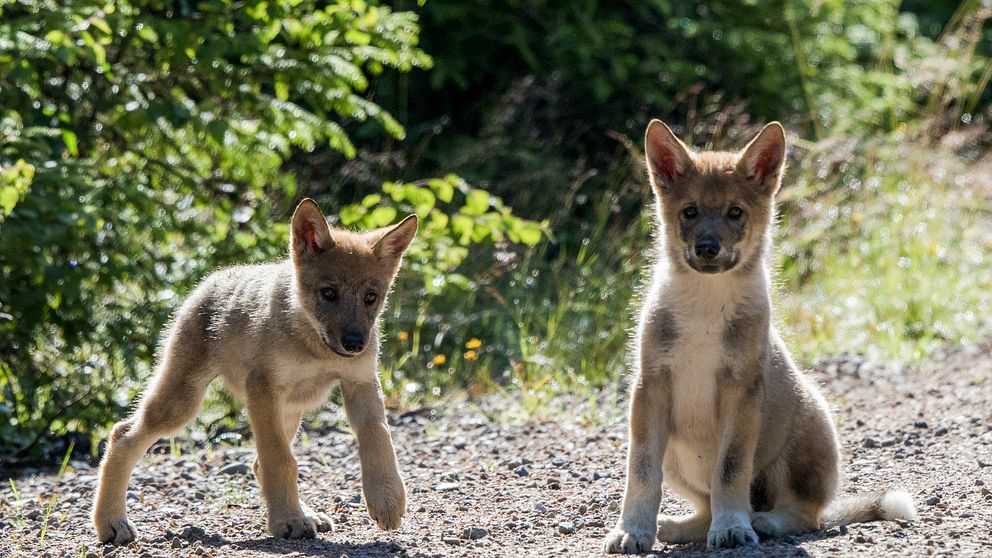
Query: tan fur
[(280, 344), (719, 412)]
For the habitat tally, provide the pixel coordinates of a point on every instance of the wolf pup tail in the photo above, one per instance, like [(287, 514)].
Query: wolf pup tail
[(874, 506)]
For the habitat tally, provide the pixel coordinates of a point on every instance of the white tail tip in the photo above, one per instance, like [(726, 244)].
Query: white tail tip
[(897, 504)]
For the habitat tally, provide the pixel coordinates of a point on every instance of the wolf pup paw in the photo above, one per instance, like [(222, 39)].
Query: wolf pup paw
[(387, 504), (115, 531), (620, 541), (298, 527), (322, 521), (731, 530)]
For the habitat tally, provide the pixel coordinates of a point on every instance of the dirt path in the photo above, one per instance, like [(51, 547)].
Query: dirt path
[(480, 486)]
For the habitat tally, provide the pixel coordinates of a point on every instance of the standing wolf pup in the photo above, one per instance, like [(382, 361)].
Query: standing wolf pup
[(718, 410), (281, 335)]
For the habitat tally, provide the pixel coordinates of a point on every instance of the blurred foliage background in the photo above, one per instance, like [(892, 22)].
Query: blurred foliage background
[(143, 144)]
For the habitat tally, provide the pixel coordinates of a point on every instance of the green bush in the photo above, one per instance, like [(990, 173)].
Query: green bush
[(143, 145)]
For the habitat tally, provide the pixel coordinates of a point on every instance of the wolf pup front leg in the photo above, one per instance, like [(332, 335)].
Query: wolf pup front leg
[(385, 495), (637, 528)]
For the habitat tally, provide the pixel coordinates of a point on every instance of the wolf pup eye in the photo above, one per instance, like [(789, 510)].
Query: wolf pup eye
[(370, 299), (690, 212), (329, 293), (735, 213)]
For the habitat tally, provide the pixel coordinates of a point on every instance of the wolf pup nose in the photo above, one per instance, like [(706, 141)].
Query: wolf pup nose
[(282, 336), (718, 411)]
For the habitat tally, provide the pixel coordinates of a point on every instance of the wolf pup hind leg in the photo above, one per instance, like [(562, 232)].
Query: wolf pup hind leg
[(281, 336), (718, 411)]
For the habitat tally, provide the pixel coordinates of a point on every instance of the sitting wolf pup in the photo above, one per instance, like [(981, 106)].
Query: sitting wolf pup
[(718, 409), (281, 335)]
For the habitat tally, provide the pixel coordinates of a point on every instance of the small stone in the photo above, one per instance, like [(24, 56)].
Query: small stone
[(540, 508), (521, 471), (597, 475), (177, 543), (192, 532), (236, 469), (449, 476), (446, 487), (921, 424), (933, 500), (888, 442), (566, 528), (474, 533), (613, 505), (583, 509), (133, 495), (451, 540), (940, 431), (870, 443)]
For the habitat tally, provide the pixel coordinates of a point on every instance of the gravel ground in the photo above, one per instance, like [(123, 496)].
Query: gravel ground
[(483, 482)]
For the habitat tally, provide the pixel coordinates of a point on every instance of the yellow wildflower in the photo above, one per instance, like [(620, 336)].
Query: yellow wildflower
[(473, 343), (471, 355), (439, 360), (403, 336)]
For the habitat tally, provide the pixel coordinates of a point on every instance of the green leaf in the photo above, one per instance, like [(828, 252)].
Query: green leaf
[(382, 216), (69, 138), (476, 202), (217, 128), (529, 233)]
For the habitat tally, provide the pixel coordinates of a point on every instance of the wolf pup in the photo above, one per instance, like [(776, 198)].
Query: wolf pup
[(718, 411), (281, 335)]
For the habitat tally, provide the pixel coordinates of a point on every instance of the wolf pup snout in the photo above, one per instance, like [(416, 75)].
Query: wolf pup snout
[(282, 336)]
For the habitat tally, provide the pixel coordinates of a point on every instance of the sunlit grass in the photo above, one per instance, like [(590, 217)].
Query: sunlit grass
[(889, 259)]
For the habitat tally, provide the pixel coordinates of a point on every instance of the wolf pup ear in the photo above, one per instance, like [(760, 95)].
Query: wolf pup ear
[(764, 158), (397, 239), (667, 157), (310, 233)]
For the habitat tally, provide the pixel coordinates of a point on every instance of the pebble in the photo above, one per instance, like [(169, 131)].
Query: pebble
[(933, 500), (540, 508), (566, 528), (236, 469), (940, 431), (451, 540), (449, 476), (521, 471), (474, 533), (192, 532), (446, 487)]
